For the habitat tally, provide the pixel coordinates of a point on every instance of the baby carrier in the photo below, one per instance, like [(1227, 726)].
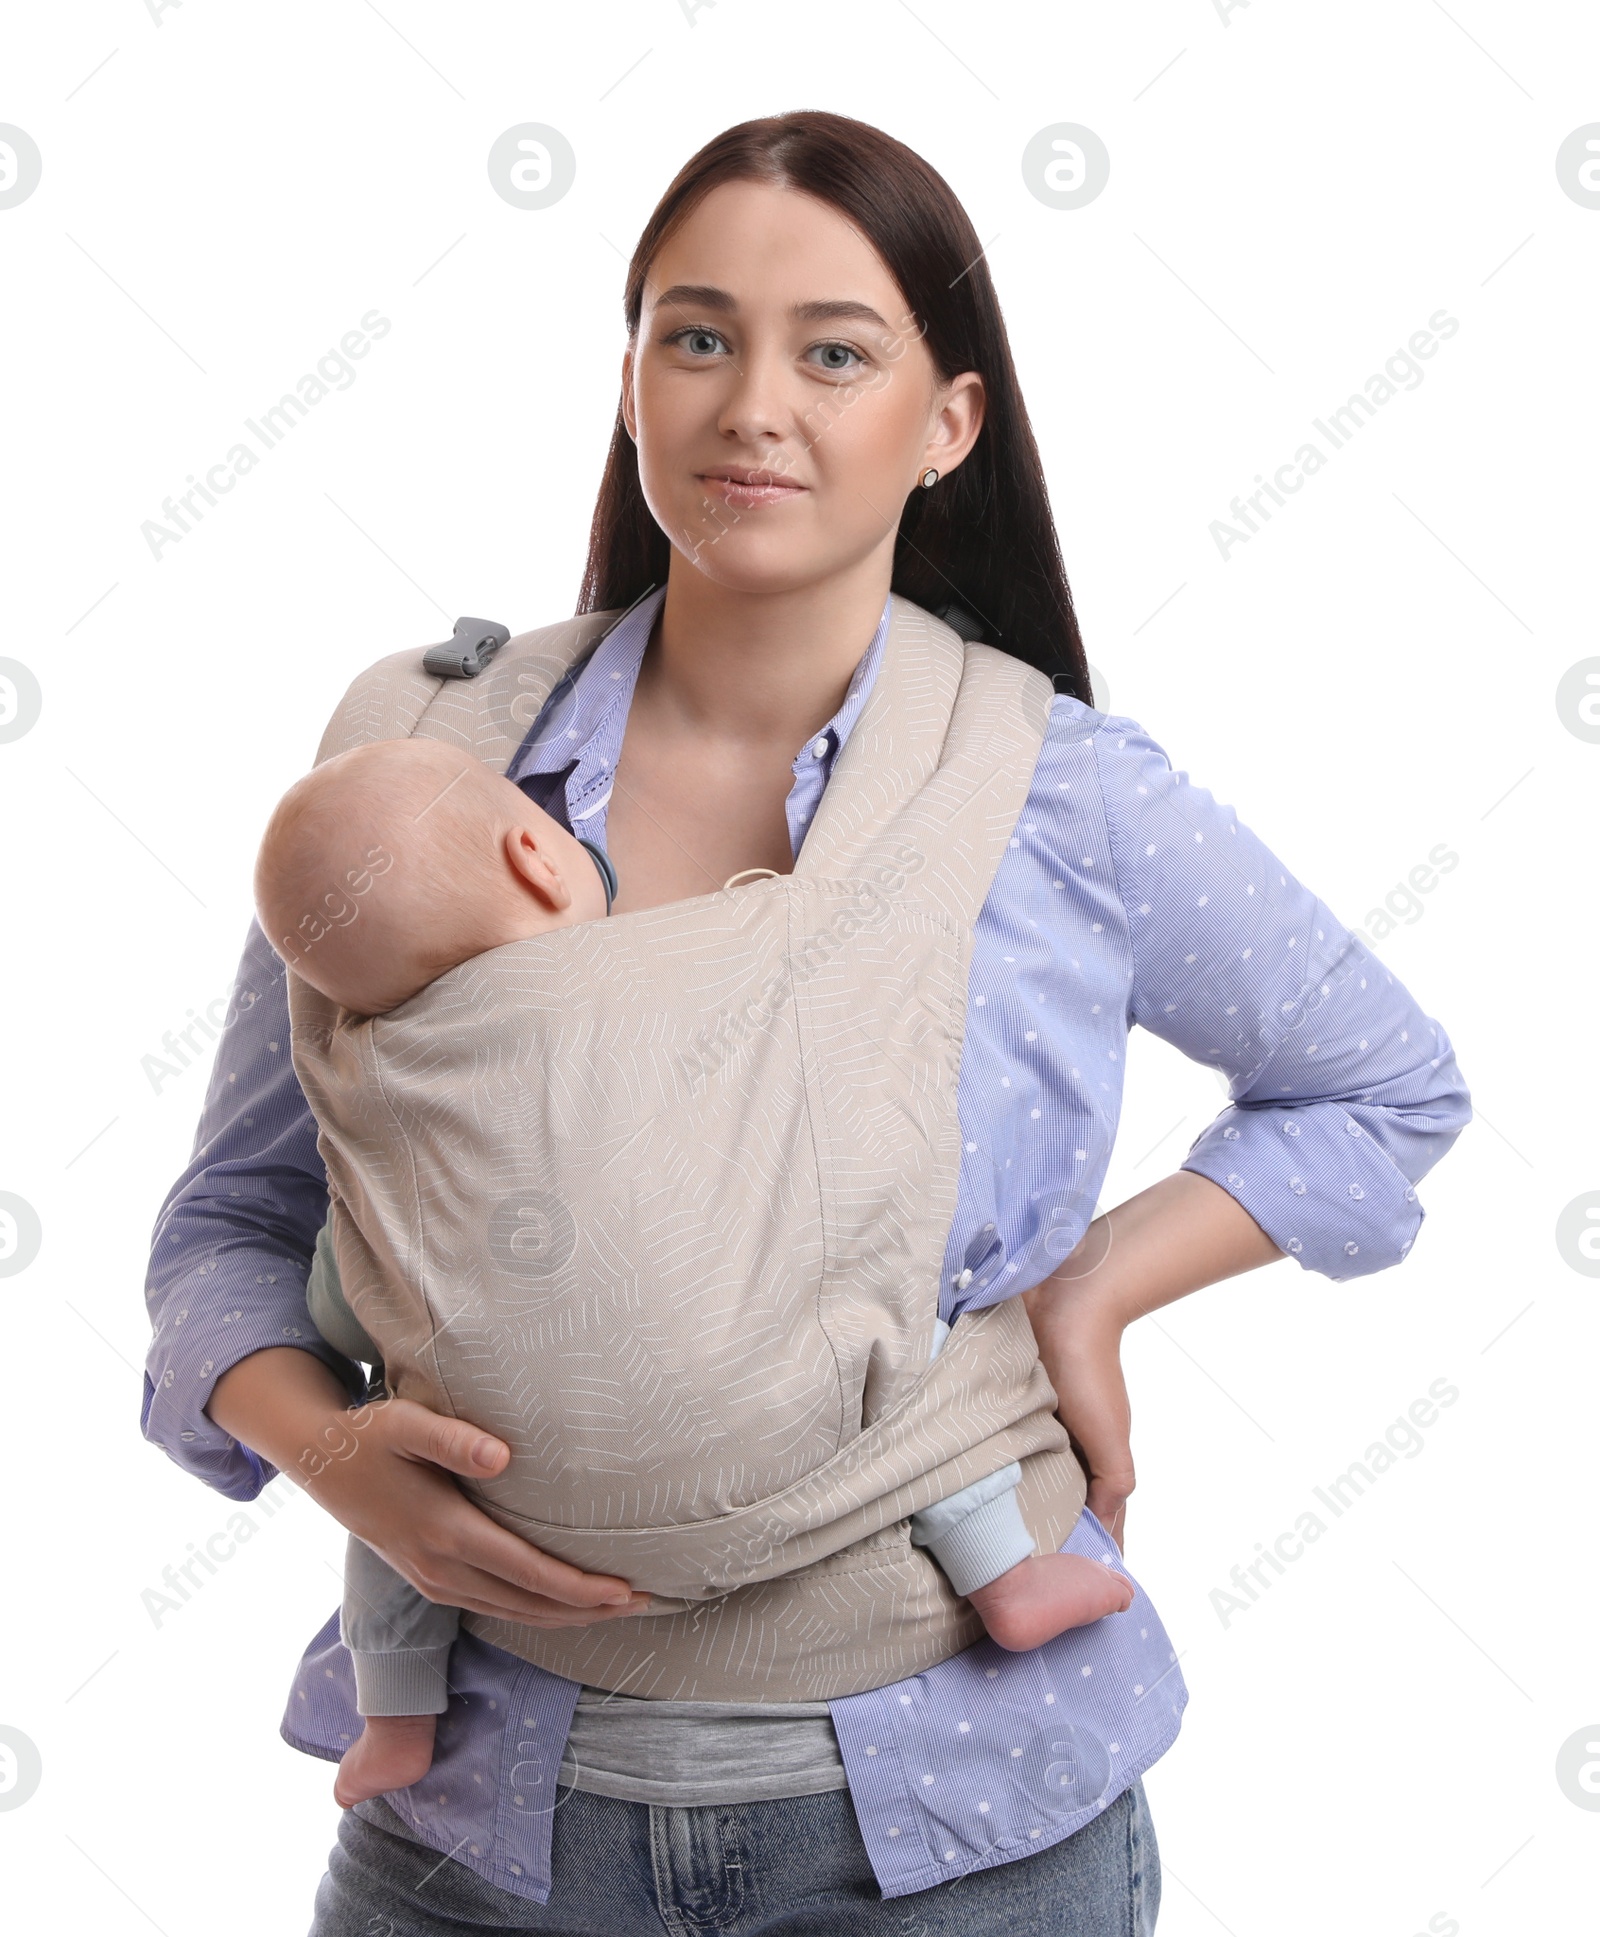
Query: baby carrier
[(661, 1200)]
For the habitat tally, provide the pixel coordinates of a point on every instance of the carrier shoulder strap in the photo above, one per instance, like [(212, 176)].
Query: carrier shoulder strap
[(481, 689)]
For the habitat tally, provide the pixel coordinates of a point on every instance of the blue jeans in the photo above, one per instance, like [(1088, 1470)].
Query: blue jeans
[(795, 1868)]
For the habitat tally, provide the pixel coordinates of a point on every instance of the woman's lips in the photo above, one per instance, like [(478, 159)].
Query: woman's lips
[(748, 491)]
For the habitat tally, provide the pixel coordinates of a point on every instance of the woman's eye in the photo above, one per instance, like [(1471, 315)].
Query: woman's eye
[(698, 342), (837, 357)]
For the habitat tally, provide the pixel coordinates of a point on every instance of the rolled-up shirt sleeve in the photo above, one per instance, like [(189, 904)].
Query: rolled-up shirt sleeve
[(1344, 1093), (231, 1249)]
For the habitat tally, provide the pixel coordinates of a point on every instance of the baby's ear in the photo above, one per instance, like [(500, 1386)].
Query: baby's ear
[(534, 864)]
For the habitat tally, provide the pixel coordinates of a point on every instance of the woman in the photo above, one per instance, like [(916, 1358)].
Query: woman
[(819, 411)]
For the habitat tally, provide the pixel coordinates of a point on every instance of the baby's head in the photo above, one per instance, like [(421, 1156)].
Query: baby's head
[(391, 863)]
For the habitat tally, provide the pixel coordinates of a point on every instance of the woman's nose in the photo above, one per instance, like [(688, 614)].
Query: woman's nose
[(756, 407)]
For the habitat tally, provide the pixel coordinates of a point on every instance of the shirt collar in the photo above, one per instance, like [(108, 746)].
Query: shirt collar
[(583, 719)]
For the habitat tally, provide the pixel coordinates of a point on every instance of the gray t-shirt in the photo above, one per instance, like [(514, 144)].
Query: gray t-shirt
[(692, 1753)]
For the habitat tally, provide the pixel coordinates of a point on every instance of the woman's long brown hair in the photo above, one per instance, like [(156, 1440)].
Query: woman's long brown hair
[(983, 538)]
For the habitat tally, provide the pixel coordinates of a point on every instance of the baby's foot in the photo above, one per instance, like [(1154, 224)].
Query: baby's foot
[(391, 1752), (1045, 1595)]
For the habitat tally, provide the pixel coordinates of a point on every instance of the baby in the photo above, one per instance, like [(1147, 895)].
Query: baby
[(379, 871)]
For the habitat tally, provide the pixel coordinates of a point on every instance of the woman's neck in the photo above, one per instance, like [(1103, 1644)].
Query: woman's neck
[(767, 668)]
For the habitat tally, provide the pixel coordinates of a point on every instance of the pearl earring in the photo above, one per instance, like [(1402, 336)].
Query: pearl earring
[(929, 478)]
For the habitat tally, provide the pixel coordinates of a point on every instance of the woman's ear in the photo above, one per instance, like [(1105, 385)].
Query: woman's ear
[(535, 869), (956, 425), (627, 394)]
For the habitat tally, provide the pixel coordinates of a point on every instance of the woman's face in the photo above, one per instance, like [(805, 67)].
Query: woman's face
[(780, 395)]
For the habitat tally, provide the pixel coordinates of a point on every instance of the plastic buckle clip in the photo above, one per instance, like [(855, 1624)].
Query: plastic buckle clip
[(469, 649), (961, 622)]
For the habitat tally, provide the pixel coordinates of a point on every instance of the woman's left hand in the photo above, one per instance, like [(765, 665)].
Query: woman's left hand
[(1178, 1235), (1080, 1343)]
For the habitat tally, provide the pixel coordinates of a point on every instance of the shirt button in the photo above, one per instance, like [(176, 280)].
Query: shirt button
[(963, 1281), (819, 747)]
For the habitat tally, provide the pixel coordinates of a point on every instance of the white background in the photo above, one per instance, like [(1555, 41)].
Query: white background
[(1294, 190)]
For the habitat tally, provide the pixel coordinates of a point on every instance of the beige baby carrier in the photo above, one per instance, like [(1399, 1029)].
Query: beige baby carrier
[(662, 1200)]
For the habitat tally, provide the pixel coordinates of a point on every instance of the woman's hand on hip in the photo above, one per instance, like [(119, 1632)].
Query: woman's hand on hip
[(1080, 1348), (385, 1471), (1150, 1251)]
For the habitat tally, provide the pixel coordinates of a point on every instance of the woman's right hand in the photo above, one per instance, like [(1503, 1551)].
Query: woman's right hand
[(384, 1470)]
